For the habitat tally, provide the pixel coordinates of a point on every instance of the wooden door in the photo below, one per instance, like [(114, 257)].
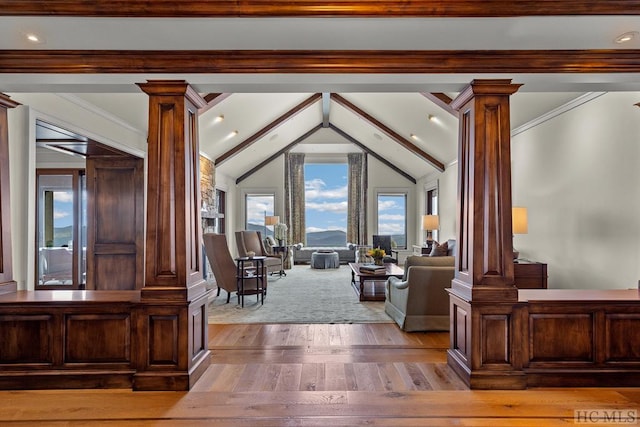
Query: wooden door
[(115, 227)]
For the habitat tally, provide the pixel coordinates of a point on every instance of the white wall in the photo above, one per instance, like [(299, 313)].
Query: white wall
[(22, 154), (269, 179), (22, 188), (228, 184), (578, 175)]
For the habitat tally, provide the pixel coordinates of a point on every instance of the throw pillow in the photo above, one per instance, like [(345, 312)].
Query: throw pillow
[(439, 249), (268, 245)]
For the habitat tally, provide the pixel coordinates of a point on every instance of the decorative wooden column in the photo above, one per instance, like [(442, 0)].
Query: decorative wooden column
[(172, 321), (7, 284), (483, 292)]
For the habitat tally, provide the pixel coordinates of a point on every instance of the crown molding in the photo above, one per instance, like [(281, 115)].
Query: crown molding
[(582, 99), (100, 112)]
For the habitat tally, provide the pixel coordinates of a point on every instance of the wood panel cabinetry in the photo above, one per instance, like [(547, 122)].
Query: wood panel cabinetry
[(530, 275)]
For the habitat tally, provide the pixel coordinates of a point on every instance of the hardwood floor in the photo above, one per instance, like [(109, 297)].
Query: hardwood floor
[(316, 375)]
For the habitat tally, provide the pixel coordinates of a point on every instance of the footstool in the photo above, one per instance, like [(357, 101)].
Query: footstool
[(325, 259)]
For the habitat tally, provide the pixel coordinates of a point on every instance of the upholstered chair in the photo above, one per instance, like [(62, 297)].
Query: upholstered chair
[(384, 242), (248, 241), (419, 301), (222, 263)]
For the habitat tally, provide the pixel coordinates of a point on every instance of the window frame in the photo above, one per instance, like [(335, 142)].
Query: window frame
[(393, 193), (326, 161), (78, 188), (258, 193)]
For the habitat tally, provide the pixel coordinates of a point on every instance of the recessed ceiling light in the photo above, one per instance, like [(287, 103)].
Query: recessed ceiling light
[(414, 136), (272, 137), (34, 38), (431, 117), (377, 136), (219, 118), (626, 37), (234, 133)]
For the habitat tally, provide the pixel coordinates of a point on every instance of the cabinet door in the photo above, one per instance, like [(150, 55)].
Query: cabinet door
[(115, 224)]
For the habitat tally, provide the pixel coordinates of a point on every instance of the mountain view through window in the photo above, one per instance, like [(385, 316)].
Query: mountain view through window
[(326, 204)]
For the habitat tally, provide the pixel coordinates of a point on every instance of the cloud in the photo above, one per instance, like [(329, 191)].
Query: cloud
[(256, 207), (63, 197), (387, 205), (61, 214), (335, 207), (316, 189), (391, 228), (389, 217)]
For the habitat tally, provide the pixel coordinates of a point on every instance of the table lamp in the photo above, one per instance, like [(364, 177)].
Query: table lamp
[(270, 220), (430, 223), (519, 224)]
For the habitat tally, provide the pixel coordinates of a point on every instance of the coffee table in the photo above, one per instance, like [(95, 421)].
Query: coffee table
[(374, 290)]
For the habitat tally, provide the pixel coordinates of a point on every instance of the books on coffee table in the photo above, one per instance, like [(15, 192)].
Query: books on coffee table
[(372, 268)]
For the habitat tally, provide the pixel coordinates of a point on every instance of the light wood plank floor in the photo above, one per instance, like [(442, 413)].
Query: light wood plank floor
[(316, 375)]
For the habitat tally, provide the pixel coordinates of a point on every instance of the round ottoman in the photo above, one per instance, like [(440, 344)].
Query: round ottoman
[(326, 259)]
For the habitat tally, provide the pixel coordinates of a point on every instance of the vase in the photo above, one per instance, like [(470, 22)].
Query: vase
[(280, 242), (377, 261)]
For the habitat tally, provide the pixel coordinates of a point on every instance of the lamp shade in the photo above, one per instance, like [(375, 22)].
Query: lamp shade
[(430, 222), (519, 222), (271, 220)]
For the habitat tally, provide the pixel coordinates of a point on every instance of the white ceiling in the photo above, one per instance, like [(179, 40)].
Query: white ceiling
[(257, 100)]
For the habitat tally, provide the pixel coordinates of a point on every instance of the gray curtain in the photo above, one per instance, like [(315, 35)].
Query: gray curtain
[(357, 199), (294, 195)]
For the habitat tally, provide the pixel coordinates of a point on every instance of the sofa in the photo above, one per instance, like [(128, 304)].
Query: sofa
[(302, 254), (419, 301)]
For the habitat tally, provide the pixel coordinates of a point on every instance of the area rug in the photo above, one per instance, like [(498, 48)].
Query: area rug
[(305, 295)]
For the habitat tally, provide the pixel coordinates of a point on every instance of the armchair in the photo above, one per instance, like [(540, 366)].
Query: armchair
[(384, 242), (222, 264), (252, 241), (419, 301)]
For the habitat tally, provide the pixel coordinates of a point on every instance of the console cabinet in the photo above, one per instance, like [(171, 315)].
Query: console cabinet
[(530, 275)]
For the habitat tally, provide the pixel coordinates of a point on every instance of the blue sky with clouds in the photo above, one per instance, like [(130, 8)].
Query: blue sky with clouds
[(326, 196)]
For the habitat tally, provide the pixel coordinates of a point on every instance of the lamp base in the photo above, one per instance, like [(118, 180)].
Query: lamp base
[(429, 245)]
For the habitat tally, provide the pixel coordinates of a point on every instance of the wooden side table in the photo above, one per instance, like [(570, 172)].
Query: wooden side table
[(530, 274), (245, 273)]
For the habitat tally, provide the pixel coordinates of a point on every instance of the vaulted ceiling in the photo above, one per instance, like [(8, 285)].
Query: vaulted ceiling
[(320, 77)]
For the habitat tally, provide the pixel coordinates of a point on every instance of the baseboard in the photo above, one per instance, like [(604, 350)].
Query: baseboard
[(59, 379)]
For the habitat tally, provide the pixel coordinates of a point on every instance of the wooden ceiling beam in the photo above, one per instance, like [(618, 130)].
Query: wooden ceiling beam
[(442, 100), (372, 153), (309, 8), (278, 154), (213, 99), (268, 128), (320, 62), (326, 106), (389, 132)]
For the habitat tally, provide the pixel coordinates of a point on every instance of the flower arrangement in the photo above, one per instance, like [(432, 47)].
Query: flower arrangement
[(376, 253), (280, 231)]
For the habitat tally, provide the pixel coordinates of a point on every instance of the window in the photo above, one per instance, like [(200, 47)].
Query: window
[(326, 203), (392, 218), (258, 206), (221, 202), (61, 229), (431, 207)]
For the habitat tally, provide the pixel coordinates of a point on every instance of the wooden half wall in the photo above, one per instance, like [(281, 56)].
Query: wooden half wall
[(153, 338), (502, 337)]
